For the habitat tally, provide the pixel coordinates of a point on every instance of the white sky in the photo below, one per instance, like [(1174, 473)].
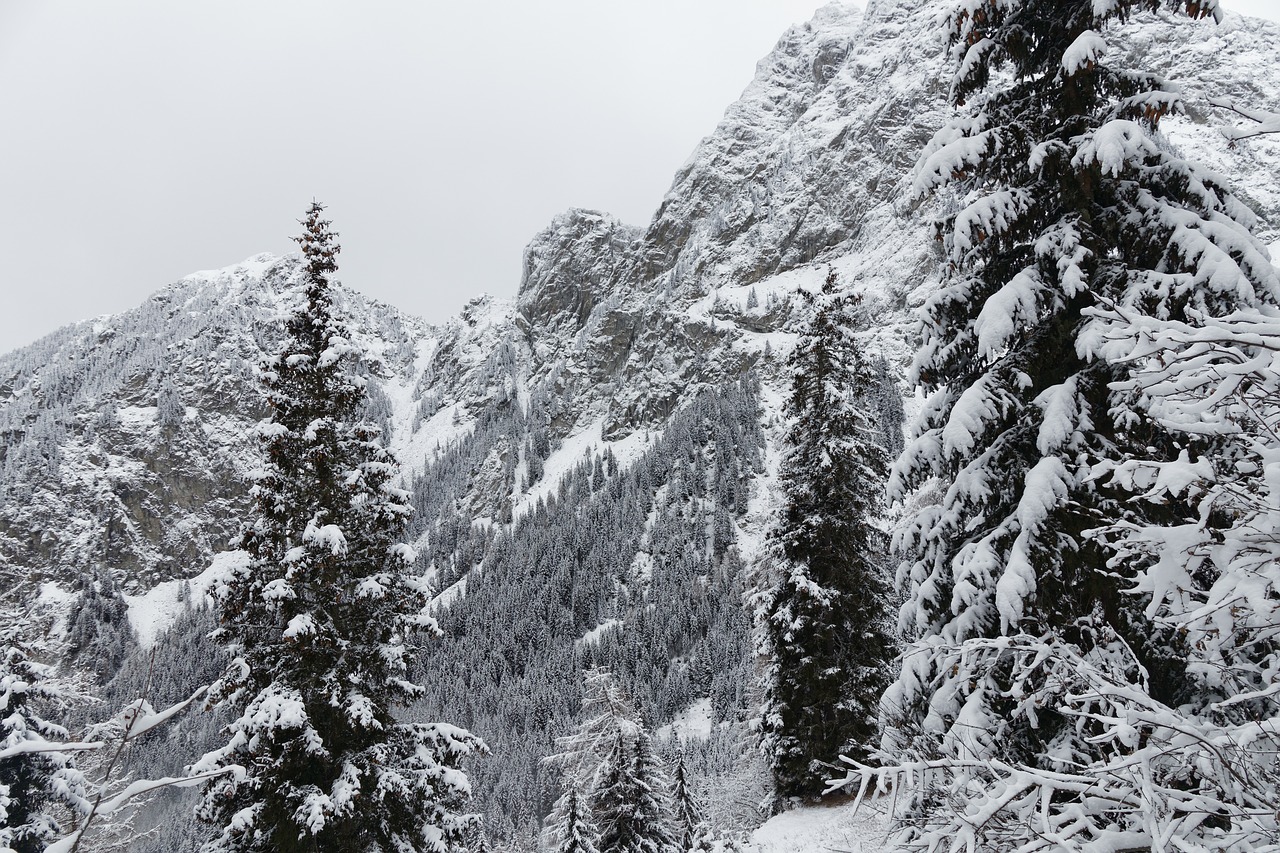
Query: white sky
[(145, 139)]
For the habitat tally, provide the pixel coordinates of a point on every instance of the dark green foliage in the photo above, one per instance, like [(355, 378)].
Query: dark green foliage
[(636, 547), (170, 411), (631, 803), (889, 407), (1072, 213), (319, 614), (577, 833), (690, 822), (825, 620), (100, 636), (1075, 214), (36, 786)]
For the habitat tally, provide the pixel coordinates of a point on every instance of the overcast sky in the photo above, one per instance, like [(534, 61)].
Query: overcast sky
[(145, 139)]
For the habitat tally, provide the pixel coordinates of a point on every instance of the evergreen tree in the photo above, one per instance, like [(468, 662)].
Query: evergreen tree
[(690, 822), (37, 773), (574, 831), (1039, 667), (824, 623), (606, 713), (169, 409), (319, 616), (609, 761), (889, 405), (99, 634), (631, 802)]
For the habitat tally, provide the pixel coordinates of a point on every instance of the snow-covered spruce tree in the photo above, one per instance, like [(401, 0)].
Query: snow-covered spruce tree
[(690, 821), (606, 712), (574, 831), (631, 801), (825, 627), (38, 775), (1210, 377), (319, 616), (1039, 647), (890, 409), (609, 763)]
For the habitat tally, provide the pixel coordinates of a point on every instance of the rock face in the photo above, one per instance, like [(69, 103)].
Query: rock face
[(614, 330), (101, 473)]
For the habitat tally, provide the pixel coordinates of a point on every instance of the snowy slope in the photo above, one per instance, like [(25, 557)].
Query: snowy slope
[(834, 827), (97, 477)]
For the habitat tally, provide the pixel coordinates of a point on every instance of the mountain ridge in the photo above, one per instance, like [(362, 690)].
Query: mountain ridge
[(811, 166)]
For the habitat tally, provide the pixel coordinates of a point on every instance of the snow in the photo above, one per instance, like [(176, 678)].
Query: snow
[(585, 444), (1061, 409), (1084, 52), (1115, 146), (52, 595), (154, 611), (834, 825), (415, 449), (136, 418), (55, 597), (1264, 122), (327, 536), (594, 635), (764, 502), (954, 149), (300, 625), (57, 601), (977, 407), (694, 722), (253, 267), (448, 595), (1007, 310)]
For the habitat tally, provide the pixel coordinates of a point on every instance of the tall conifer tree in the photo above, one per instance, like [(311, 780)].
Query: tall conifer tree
[(892, 415), (690, 820), (1036, 653), (609, 765), (631, 802), (320, 615), (825, 625), (38, 777), (575, 832)]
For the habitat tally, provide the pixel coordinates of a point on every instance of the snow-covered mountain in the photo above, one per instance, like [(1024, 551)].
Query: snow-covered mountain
[(633, 361)]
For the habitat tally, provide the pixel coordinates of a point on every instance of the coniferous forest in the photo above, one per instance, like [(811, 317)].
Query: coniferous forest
[(907, 484)]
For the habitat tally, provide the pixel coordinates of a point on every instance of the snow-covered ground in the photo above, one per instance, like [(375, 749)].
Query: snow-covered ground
[(594, 635), (693, 722), (583, 445), (153, 612), (835, 827)]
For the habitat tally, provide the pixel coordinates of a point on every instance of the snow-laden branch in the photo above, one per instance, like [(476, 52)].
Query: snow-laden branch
[(1264, 122), (36, 747), (136, 789), (1164, 779), (137, 718)]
